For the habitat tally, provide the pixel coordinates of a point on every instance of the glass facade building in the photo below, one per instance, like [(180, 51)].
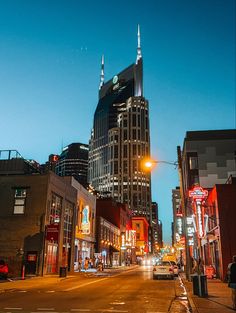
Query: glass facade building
[(120, 140), (73, 161)]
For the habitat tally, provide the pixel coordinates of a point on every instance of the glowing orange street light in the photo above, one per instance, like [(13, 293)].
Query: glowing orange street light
[(149, 164)]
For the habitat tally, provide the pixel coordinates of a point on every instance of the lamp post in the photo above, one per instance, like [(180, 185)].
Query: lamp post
[(148, 164)]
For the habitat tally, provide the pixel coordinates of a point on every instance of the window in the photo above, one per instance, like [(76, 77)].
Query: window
[(115, 167), (193, 162), (55, 209), (125, 152), (19, 203), (115, 151), (134, 120), (125, 134), (125, 167), (68, 219)]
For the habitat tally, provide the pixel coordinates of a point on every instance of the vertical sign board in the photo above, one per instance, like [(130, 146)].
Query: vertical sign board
[(198, 195), (85, 222)]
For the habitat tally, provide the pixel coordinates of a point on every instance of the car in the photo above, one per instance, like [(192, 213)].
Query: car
[(146, 262), (175, 268), (163, 269)]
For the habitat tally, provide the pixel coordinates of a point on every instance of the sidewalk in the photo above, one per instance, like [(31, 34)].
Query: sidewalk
[(218, 300)]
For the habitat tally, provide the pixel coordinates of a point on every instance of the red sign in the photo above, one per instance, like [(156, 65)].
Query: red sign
[(32, 257), (198, 193), (52, 232)]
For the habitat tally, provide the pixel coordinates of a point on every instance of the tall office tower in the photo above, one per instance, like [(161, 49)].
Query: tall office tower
[(73, 161), (120, 139)]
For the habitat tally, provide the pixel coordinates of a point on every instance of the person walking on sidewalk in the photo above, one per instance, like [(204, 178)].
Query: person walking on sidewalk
[(232, 280)]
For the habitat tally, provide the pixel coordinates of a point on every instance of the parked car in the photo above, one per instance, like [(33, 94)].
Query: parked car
[(175, 268), (163, 269), (3, 270)]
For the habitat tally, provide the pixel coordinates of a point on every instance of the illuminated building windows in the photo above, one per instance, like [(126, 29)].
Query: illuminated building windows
[(55, 209), (19, 203), (68, 218)]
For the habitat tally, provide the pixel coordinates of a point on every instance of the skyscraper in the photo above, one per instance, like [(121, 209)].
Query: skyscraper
[(120, 139), (73, 161)]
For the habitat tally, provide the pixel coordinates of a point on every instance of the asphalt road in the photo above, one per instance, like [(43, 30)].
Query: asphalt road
[(131, 291)]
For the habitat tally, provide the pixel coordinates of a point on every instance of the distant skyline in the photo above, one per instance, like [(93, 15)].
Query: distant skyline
[(50, 54)]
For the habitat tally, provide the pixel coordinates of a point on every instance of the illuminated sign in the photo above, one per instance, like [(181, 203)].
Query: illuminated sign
[(123, 247), (179, 225), (190, 230), (191, 242), (128, 239), (85, 223), (52, 232), (115, 79), (198, 194)]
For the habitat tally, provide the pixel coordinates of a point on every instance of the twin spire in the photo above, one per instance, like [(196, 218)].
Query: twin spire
[(139, 56), (102, 73)]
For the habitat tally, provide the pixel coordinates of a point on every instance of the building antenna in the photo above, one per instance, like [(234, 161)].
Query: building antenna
[(139, 53), (62, 145), (102, 73)]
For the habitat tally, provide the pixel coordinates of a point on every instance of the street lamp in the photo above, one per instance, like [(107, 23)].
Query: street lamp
[(148, 165)]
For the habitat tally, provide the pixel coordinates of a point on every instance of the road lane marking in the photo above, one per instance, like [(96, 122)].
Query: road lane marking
[(86, 284), (13, 308), (117, 303), (112, 311), (49, 291), (81, 310)]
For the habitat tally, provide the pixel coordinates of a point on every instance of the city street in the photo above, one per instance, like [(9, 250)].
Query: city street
[(132, 290)]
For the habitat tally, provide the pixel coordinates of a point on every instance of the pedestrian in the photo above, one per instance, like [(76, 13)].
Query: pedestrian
[(80, 264), (198, 267), (86, 264), (3, 270), (232, 280)]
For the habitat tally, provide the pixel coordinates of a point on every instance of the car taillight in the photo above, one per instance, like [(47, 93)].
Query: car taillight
[(170, 269)]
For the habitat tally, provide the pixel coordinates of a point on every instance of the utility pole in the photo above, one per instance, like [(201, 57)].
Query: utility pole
[(184, 209)]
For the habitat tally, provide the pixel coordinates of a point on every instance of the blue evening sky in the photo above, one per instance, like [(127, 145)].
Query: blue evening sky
[(50, 55)]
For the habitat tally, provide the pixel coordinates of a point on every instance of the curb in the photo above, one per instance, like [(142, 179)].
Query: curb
[(189, 297)]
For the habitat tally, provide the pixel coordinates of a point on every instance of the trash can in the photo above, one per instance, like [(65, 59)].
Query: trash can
[(195, 282), (203, 282), (199, 285), (63, 271)]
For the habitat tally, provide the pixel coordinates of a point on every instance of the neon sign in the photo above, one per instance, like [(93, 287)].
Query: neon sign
[(85, 223), (198, 195)]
